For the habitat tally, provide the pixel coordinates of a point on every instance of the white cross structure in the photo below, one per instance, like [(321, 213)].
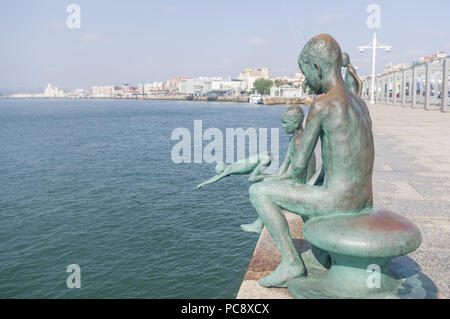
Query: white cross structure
[(374, 46)]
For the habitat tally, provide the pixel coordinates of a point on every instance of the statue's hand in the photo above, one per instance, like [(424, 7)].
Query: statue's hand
[(278, 177), (200, 186)]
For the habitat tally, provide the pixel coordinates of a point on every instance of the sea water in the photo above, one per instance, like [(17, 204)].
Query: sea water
[(92, 183)]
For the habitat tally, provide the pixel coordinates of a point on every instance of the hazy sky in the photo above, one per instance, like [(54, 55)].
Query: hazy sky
[(144, 41)]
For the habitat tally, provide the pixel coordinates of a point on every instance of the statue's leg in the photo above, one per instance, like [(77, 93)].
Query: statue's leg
[(244, 166), (264, 161), (269, 198)]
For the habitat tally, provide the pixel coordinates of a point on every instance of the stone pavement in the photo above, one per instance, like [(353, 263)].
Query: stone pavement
[(411, 177)]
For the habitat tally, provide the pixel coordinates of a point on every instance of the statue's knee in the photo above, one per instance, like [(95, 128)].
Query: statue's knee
[(252, 189), (259, 190), (255, 190)]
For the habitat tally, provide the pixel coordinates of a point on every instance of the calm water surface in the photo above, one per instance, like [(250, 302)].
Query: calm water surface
[(91, 182)]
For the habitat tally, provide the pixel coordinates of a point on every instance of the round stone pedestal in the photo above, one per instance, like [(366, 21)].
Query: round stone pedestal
[(361, 247)]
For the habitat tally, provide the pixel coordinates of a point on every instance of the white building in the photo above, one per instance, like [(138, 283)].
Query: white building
[(296, 80), (286, 91), (249, 76), (395, 67), (104, 91), (228, 84), (203, 85), (77, 94), (433, 58), (298, 77), (196, 86), (173, 85), (151, 89), (51, 91)]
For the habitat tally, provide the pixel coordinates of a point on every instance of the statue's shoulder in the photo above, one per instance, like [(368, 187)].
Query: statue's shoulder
[(325, 101), (321, 105)]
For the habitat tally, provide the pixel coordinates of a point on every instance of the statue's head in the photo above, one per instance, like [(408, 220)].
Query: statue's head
[(220, 167), (320, 60), (292, 118), (345, 60)]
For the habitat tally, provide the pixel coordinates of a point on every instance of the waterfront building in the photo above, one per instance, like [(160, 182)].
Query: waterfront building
[(249, 76), (104, 91), (232, 86), (249, 82), (49, 92), (77, 94), (125, 88), (53, 91), (423, 82), (395, 67), (173, 85), (433, 58), (117, 91), (197, 87), (296, 80), (287, 91), (151, 89), (203, 85), (298, 77), (126, 91)]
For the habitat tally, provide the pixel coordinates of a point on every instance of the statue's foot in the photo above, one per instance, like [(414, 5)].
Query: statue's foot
[(255, 227), (282, 275)]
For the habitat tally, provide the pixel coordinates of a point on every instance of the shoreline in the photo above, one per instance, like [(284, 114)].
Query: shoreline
[(267, 100)]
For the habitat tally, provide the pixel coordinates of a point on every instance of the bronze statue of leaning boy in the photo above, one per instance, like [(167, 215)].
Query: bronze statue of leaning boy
[(292, 123)]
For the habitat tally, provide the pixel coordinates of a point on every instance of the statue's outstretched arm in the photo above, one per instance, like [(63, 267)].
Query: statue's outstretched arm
[(212, 180), (307, 144)]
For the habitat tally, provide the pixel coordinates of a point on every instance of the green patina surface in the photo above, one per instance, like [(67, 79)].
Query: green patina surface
[(373, 233)]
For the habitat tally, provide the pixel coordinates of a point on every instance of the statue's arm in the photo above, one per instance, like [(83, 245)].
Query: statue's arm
[(212, 180), (307, 143), (357, 79), (285, 165)]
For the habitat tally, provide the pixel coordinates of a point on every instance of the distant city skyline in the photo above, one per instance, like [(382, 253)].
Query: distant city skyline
[(145, 41)]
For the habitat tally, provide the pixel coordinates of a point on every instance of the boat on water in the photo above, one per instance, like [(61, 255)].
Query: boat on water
[(255, 99)]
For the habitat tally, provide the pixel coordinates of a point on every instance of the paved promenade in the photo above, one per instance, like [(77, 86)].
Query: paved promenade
[(411, 177)]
